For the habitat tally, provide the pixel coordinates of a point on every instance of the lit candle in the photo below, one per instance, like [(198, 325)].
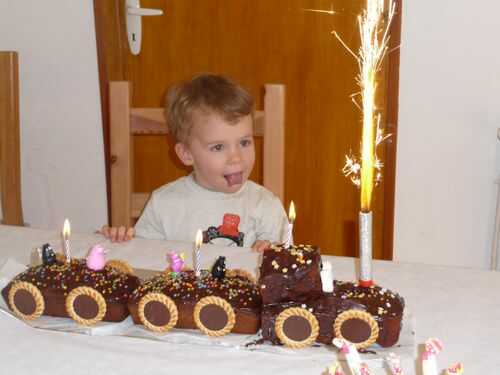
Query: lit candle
[(65, 234), (291, 219), (197, 252)]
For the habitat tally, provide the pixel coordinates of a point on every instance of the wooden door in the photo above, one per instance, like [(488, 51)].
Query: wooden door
[(257, 42)]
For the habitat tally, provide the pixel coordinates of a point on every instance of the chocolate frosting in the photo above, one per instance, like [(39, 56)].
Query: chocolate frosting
[(184, 286), (290, 274), (114, 286)]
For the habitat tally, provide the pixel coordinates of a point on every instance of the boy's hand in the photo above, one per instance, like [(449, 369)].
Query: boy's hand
[(117, 234), (261, 245)]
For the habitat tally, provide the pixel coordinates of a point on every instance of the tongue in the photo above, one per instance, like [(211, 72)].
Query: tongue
[(234, 179)]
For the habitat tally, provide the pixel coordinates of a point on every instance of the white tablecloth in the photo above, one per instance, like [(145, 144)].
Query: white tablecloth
[(459, 306)]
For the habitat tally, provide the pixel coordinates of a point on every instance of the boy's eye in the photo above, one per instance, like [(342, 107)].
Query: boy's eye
[(246, 142), (217, 147)]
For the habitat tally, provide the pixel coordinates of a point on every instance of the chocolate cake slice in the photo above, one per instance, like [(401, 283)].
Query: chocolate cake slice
[(384, 305), (290, 274), (71, 289), (215, 305), (296, 312)]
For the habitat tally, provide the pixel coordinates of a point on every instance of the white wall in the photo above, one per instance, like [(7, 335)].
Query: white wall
[(61, 133), (449, 112)]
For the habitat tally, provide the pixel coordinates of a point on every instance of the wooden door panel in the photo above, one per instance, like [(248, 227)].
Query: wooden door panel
[(257, 42)]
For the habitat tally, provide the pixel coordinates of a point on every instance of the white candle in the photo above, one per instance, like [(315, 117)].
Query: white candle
[(291, 219), (197, 252), (66, 246), (327, 277)]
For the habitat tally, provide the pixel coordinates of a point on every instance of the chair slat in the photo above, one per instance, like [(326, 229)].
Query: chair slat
[(10, 154)]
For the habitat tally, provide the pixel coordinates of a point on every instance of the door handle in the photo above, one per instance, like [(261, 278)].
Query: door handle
[(134, 12)]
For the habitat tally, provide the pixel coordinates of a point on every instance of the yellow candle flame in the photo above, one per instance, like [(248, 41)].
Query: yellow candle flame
[(199, 239), (291, 212), (66, 229)]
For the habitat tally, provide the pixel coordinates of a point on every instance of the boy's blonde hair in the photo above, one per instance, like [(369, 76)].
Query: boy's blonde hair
[(207, 93)]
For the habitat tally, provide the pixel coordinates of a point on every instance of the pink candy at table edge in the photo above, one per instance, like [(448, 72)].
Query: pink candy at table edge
[(433, 346), (455, 369)]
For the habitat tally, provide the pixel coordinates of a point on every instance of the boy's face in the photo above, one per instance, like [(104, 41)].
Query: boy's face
[(222, 154)]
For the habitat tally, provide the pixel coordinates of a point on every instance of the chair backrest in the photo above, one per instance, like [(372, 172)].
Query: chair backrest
[(126, 122), (10, 158)]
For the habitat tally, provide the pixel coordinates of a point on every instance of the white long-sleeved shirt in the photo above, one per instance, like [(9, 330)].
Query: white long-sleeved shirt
[(177, 210)]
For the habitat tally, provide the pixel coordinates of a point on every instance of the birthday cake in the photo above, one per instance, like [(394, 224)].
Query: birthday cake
[(78, 289), (216, 302), (300, 308)]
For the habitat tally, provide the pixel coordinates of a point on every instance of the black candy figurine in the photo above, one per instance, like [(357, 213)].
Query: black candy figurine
[(48, 255), (219, 268)]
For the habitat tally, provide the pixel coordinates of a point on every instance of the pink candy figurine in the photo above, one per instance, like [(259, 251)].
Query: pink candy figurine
[(176, 261), (455, 369), (364, 370), (351, 354), (335, 369), (394, 363), (429, 364), (95, 259)]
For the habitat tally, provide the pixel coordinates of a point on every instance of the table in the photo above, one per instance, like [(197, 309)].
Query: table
[(458, 305)]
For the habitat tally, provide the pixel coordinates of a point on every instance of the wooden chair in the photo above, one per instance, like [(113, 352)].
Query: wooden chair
[(126, 122), (10, 163)]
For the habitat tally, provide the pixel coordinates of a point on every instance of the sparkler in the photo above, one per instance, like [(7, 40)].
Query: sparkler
[(365, 171)]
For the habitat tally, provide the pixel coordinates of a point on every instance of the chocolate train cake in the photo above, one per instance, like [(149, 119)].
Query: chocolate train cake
[(294, 303), (216, 302), (86, 290), (297, 312)]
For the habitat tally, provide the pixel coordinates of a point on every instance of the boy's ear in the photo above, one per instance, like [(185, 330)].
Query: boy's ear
[(183, 153)]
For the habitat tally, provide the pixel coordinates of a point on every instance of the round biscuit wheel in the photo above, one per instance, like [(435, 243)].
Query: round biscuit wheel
[(26, 300), (357, 327), (296, 327), (85, 305), (157, 312), (214, 316), (120, 265)]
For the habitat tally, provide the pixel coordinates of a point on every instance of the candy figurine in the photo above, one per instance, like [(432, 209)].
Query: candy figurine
[(429, 364), (455, 369), (335, 369), (176, 261), (394, 363), (48, 255), (96, 260), (219, 268), (351, 354)]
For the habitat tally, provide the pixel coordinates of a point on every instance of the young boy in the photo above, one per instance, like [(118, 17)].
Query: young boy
[(211, 119)]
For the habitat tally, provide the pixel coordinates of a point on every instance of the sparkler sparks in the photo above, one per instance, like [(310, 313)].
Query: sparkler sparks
[(374, 46), (331, 11)]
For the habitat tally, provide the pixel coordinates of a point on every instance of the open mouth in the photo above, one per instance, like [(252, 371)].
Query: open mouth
[(234, 178)]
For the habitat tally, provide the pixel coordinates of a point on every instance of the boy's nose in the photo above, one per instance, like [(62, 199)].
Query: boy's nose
[(235, 156)]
